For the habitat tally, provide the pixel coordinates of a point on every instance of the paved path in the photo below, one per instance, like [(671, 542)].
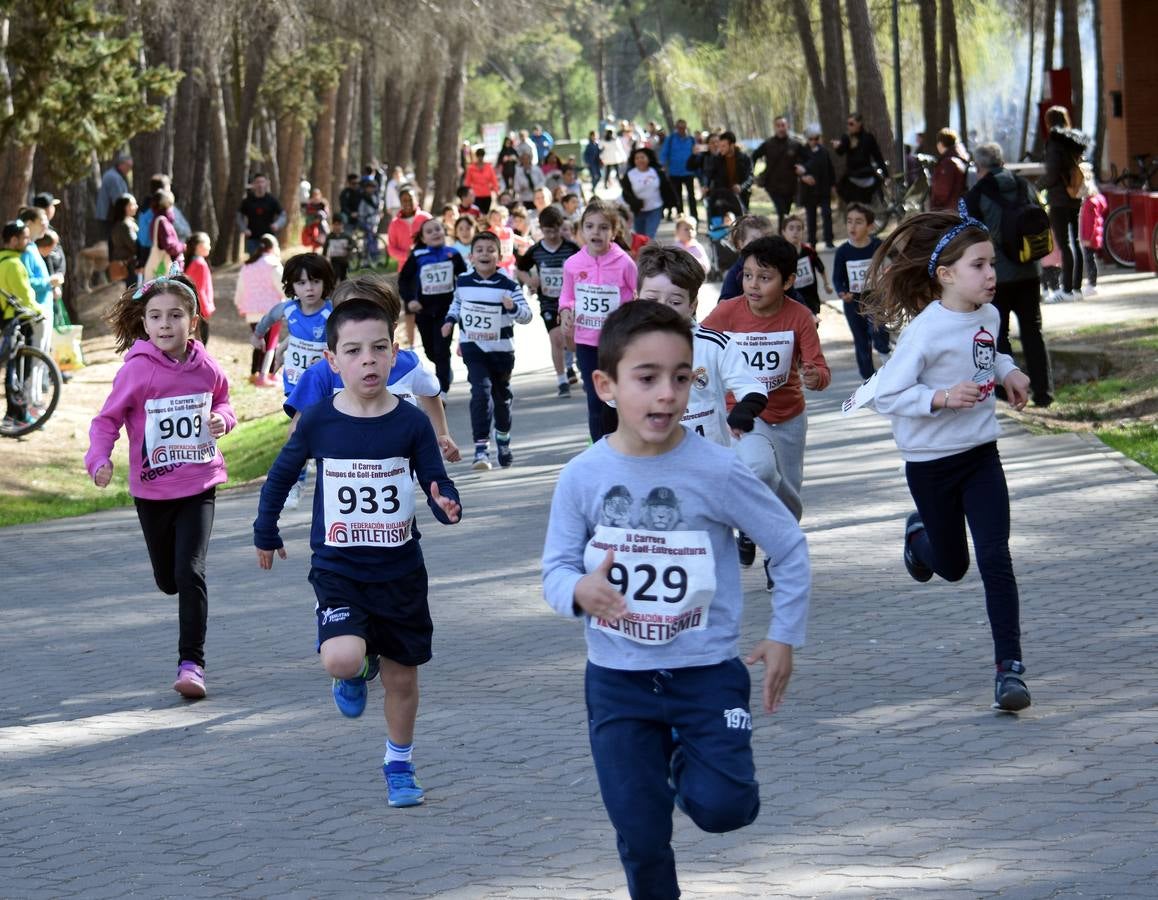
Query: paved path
[(885, 775)]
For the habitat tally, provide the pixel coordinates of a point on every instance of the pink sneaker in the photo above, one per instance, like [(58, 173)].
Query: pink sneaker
[(190, 682)]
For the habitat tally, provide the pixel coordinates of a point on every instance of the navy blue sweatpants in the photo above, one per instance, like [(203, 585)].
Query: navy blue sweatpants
[(642, 768)]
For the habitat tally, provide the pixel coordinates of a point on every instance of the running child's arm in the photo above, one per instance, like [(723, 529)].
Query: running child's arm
[(818, 264), (900, 393), (524, 263), (567, 301), (106, 426), (283, 474), (1015, 382), (222, 418), (453, 314), (519, 305), (814, 367), (736, 377), (436, 412), (276, 314), (407, 286), (441, 494), (839, 272)]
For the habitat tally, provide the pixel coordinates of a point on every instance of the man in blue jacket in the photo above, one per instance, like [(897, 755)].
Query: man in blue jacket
[(673, 156)]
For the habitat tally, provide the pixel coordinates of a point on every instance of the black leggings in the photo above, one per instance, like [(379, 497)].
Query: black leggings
[(436, 347), (177, 537), (1063, 220)]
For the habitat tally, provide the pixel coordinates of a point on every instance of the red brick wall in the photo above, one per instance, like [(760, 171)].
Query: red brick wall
[(1130, 62)]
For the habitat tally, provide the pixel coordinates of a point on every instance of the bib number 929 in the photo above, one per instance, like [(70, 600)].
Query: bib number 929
[(368, 500), (179, 426), (764, 360), (644, 576)]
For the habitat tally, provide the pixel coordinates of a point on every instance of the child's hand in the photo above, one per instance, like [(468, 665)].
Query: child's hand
[(265, 557), (567, 320), (810, 375), (449, 448), (102, 476), (414, 306), (845, 296), (257, 342), (447, 329), (1017, 388), (961, 396), (448, 506), (777, 670), (216, 424), (827, 288), (509, 302), (595, 595)]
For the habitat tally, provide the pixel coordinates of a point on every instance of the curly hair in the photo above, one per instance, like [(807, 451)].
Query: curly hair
[(126, 317)]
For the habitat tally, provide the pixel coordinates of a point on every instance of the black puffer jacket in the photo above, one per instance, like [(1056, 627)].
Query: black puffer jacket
[(1064, 149)]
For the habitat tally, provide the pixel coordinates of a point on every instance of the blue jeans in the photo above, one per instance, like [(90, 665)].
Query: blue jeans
[(865, 336), (642, 769), (648, 222), (969, 487), (489, 375)]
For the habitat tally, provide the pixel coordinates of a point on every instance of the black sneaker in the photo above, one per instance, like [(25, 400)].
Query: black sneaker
[(917, 569), (505, 455), (747, 548), (564, 390), (1009, 691), (572, 378)]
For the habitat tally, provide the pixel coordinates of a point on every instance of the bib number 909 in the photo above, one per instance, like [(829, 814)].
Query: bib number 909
[(181, 427), (644, 576)]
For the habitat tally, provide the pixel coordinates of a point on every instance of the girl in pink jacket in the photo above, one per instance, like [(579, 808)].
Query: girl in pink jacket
[(1091, 221), (173, 400), (596, 281)]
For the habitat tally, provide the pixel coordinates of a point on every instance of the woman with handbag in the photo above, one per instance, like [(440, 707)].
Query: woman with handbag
[(166, 248)]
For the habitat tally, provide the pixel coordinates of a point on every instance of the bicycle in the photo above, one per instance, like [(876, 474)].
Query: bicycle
[(1118, 229), (892, 200), (32, 379)]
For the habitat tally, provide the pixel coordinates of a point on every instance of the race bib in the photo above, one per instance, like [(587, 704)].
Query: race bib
[(857, 270), (703, 419), (300, 354), (506, 248), (437, 278), (177, 430), (805, 277), (768, 355), (667, 578), (551, 282), (862, 396), (367, 502), (481, 321), (594, 303)]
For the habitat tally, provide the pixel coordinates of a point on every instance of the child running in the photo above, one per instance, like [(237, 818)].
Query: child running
[(639, 546), (426, 284), (936, 270), (367, 568), (547, 257), (809, 267), (778, 338), (596, 280), (197, 271), (259, 289), (487, 305), (173, 400), (673, 277), (849, 269), (743, 232)]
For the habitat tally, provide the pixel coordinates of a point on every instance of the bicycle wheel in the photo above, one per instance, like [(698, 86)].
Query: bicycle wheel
[(1119, 236), (1154, 249), (33, 383)]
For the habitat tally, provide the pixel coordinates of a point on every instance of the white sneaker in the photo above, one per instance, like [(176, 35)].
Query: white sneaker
[(294, 498), (1089, 291), (1072, 296), (1052, 297)]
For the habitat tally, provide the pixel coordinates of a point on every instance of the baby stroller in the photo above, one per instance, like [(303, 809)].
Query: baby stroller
[(724, 207)]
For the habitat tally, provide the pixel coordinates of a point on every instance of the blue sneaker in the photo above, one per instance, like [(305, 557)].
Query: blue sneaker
[(1010, 692), (917, 569), (402, 788), (350, 693)]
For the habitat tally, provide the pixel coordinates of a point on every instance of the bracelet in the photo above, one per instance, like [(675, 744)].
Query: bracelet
[(946, 398)]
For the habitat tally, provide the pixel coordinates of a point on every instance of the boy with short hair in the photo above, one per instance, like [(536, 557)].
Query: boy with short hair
[(639, 545), (336, 247), (849, 268), (466, 204), (486, 306), (367, 568), (547, 256), (673, 277)]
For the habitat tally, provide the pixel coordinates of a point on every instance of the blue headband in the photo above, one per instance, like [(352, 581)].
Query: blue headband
[(967, 221)]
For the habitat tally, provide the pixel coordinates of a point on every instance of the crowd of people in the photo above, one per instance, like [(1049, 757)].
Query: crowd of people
[(698, 430)]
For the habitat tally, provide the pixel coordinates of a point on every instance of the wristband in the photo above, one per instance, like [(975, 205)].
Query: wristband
[(946, 398)]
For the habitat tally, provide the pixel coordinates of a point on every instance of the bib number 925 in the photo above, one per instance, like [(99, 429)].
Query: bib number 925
[(644, 576), (180, 427), (368, 499)]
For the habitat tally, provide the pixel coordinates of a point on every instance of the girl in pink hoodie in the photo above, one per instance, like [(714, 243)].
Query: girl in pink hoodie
[(596, 281), (173, 400)]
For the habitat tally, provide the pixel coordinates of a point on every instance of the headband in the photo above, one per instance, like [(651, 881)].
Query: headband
[(967, 221), (164, 281)]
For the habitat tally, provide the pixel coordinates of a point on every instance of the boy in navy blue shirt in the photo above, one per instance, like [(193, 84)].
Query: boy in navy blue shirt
[(367, 568), (849, 268)]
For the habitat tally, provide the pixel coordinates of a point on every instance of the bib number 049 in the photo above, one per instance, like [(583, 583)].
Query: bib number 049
[(644, 576), (762, 359)]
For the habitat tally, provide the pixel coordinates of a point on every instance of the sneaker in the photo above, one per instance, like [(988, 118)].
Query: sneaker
[(402, 788), (747, 548), (1072, 296), (572, 378), (917, 569), (1010, 692), (270, 380), (1052, 297), (482, 460), (190, 682), (255, 379), (350, 693), (294, 498), (564, 390), (1089, 291), (505, 455)]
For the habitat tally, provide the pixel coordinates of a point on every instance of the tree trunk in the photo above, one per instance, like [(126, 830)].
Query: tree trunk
[(656, 82), (202, 212), (1025, 113), (601, 82), (71, 218), (564, 107), (870, 86), (366, 112), (423, 133), (15, 175), (932, 95), (412, 98), (219, 148), (1072, 58), (291, 153), (450, 122), (186, 110), (944, 69), (1100, 84), (952, 50), (836, 104), (267, 144), (322, 174), (800, 14), (342, 126), (390, 122), (1049, 26)]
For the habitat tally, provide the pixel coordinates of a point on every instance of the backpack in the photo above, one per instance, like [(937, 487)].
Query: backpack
[(1025, 232)]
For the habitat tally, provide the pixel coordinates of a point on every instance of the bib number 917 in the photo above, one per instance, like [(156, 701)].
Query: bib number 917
[(181, 426), (644, 576), (367, 501)]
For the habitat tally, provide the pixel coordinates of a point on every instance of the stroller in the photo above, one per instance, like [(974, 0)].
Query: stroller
[(724, 208)]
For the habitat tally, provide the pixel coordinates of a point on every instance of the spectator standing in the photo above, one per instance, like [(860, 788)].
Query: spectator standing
[(349, 198), (165, 248), (781, 153), (730, 169), (1018, 283), (113, 183), (123, 262), (865, 165), (525, 145), (817, 176), (1064, 186), (543, 142), (393, 186), (507, 162), (647, 191), (55, 260), (612, 155), (528, 179), (1091, 225), (591, 159), (947, 185), (674, 155), (480, 177), (260, 213)]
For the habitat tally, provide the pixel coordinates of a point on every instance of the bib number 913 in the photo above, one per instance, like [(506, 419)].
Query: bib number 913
[(644, 576), (366, 499)]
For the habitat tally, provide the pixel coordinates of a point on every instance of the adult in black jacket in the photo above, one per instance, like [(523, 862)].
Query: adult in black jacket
[(1064, 149), (817, 176), (781, 154), (647, 190), (863, 160), (730, 169)]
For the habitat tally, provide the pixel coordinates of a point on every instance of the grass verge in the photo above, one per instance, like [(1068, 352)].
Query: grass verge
[(1138, 441), (58, 491)]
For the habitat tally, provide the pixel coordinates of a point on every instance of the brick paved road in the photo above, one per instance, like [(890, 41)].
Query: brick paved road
[(886, 774)]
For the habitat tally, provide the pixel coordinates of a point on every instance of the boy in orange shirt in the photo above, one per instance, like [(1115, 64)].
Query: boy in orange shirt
[(778, 338)]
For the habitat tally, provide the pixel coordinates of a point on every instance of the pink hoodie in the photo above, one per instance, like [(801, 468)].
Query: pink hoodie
[(614, 269), (150, 375)]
